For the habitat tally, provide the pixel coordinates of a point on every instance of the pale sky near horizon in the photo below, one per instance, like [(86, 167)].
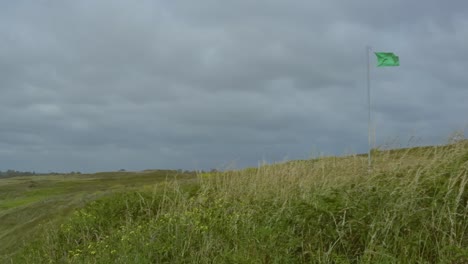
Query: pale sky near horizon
[(106, 85)]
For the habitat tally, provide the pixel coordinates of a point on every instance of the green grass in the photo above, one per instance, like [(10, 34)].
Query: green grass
[(412, 208), (29, 203)]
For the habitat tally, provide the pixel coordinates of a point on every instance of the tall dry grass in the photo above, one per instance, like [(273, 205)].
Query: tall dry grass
[(411, 208)]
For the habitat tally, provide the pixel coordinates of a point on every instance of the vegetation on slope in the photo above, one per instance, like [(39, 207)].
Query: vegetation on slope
[(26, 203), (412, 208)]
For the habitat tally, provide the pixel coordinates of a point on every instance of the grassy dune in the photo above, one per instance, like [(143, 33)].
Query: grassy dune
[(412, 208), (27, 203)]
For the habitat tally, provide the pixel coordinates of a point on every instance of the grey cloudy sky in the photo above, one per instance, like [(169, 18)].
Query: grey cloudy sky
[(105, 85)]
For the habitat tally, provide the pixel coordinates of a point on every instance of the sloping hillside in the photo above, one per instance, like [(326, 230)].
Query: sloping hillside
[(28, 202), (411, 208)]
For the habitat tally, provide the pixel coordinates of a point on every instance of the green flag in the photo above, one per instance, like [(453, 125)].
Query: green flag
[(387, 59)]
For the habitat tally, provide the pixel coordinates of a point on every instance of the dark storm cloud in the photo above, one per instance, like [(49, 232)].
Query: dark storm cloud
[(101, 85)]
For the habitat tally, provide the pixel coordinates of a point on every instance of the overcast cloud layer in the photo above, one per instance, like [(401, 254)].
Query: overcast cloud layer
[(104, 85)]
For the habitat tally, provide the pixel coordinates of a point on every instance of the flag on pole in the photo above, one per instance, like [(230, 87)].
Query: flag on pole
[(387, 59)]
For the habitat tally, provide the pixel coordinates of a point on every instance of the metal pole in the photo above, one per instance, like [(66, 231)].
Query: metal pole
[(368, 50)]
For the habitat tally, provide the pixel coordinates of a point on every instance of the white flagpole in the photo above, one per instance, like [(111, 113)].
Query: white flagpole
[(369, 159)]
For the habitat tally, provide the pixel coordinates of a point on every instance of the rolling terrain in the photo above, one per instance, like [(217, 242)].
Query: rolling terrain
[(411, 208)]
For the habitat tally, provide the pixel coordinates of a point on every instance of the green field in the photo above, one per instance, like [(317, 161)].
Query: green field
[(28, 203), (411, 208)]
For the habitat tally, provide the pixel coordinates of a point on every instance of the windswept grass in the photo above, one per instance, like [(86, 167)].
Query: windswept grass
[(412, 208), (27, 203)]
